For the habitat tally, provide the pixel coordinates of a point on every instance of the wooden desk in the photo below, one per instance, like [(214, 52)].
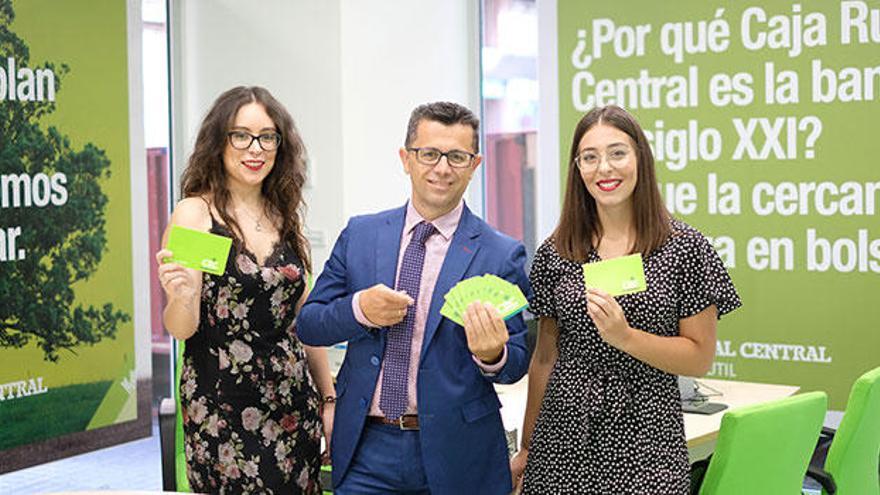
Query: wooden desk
[(701, 430)]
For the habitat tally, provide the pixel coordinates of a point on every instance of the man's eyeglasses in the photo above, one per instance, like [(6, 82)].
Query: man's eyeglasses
[(589, 160), (241, 140), (432, 156)]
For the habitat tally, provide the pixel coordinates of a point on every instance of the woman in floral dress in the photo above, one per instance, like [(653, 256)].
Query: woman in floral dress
[(252, 412)]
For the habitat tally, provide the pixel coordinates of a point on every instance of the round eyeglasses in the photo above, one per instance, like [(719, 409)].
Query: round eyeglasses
[(589, 160), (241, 140), (432, 156)]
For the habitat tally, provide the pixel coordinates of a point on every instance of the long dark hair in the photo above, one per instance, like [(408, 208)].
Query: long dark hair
[(282, 188), (579, 221)]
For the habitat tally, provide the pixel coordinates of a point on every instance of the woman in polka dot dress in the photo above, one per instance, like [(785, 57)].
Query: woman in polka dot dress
[(603, 412)]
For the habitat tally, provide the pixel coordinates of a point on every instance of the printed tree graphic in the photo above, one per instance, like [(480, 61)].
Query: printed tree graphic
[(64, 243)]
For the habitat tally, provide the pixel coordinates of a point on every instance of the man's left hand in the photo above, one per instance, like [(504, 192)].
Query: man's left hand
[(486, 332)]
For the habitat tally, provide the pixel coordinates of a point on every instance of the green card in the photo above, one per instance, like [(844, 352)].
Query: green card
[(506, 297), (199, 250), (617, 276)]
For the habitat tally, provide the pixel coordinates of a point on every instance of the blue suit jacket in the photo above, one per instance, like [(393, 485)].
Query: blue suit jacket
[(463, 444)]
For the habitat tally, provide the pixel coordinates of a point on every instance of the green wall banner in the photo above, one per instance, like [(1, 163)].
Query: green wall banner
[(66, 298), (763, 118)]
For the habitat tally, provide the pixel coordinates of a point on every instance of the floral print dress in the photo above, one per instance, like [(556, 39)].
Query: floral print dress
[(250, 406)]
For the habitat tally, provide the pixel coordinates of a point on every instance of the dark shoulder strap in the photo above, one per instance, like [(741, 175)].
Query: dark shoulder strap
[(214, 221)]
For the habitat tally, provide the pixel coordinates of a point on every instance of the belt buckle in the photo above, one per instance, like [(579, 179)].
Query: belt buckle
[(402, 426)]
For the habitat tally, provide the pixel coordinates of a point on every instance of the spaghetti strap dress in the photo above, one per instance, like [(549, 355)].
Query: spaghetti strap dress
[(251, 411)]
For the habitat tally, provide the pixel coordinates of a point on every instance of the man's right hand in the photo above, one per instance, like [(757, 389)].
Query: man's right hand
[(384, 306)]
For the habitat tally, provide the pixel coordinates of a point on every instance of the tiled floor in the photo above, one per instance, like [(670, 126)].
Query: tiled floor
[(129, 466)]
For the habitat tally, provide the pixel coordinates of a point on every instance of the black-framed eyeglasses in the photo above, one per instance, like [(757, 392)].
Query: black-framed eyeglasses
[(268, 141), (432, 156)]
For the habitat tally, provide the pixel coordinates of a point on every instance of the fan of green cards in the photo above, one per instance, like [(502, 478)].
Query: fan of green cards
[(507, 298)]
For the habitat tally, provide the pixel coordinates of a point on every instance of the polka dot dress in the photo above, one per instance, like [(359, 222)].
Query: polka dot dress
[(610, 423)]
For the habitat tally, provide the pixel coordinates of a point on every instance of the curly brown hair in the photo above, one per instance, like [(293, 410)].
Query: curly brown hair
[(205, 174)]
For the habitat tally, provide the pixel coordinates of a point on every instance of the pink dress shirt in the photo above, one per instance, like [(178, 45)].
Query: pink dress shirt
[(435, 252)]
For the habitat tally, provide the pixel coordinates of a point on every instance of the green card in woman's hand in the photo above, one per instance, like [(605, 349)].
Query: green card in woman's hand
[(198, 250), (617, 276)]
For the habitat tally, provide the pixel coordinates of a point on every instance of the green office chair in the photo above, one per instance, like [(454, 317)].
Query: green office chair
[(327, 479), (851, 465), (171, 435), (179, 448), (763, 449)]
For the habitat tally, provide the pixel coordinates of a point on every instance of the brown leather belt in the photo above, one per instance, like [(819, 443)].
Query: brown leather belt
[(405, 422)]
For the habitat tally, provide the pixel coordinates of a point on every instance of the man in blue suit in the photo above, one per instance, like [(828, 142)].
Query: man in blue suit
[(416, 411)]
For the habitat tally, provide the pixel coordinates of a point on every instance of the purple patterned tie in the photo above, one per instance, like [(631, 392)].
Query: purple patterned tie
[(398, 341)]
